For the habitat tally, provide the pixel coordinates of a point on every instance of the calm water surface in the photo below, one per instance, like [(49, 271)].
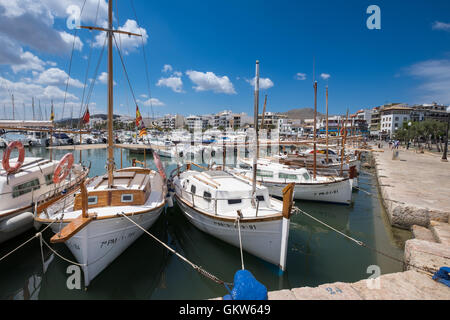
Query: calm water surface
[(316, 255)]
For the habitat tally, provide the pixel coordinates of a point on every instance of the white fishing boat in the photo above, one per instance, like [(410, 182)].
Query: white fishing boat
[(95, 221), (29, 182), (236, 209), (275, 176), (213, 201)]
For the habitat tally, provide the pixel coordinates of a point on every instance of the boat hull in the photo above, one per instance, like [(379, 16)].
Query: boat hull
[(264, 239), (334, 192), (102, 241)]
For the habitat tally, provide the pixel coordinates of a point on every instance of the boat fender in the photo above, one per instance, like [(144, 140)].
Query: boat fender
[(170, 201), (16, 222), (62, 169), (442, 276), (246, 287), (7, 154)]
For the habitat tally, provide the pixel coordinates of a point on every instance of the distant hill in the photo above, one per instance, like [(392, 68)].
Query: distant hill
[(302, 113)]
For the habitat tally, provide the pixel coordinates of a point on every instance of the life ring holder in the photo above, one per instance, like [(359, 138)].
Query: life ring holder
[(7, 154), (62, 170)]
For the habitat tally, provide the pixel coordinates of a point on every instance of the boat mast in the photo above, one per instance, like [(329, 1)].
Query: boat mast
[(315, 116), (255, 113), (110, 163), (327, 123)]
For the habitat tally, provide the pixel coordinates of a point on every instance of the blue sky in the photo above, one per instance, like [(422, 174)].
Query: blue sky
[(209, 49)]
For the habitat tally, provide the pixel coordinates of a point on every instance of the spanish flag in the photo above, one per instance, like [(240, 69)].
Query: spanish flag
[(138, 117), (142, 132)]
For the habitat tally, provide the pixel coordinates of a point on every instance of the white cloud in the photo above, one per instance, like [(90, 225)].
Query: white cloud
[(177, 73), (69, 39), (57, 77), (174, 83), (264, 83), (325, 76), (24, 91), (435, 77), (300, 76), (143, 96), (126, 43), (167, 68), (28, 62), (441, 26), (208, 81), (152, 101), (103, 78)]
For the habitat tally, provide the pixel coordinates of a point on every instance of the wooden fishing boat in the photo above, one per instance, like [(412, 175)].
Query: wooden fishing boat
[(213, 201), (276, 176), (95, 221), (32, 185)]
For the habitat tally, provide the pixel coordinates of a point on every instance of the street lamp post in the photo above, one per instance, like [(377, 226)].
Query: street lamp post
[(444, 156), (409, 134)]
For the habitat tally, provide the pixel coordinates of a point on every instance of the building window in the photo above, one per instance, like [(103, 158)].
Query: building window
[(25, 188), (127, 198)]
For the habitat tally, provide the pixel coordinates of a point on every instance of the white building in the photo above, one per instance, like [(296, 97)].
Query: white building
[(392, 119)]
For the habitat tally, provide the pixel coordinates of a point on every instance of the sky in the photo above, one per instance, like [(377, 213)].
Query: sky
[(199, 56)]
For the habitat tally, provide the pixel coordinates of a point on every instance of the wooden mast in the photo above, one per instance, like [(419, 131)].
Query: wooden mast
[(110, 98), (327, 123), (255, 116), (343, 142), (315, 116)]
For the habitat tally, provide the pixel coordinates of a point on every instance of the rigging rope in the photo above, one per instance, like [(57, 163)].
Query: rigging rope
[(70, 63), (145, 62), (238, 220), (194, 266)]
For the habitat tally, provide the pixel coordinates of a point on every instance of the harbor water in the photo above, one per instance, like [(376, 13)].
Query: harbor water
[(146, 270)]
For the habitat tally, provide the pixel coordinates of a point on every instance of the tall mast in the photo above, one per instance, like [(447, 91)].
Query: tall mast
[(12, 98), (315, 116), (110, 97), (327, 124), (255, 112), (32, 106)]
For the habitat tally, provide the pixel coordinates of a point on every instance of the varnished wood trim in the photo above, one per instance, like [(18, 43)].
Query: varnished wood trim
[(71, 229)]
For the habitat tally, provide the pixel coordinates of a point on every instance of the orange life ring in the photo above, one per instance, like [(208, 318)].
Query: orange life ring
[(7, 154), (62, 170)]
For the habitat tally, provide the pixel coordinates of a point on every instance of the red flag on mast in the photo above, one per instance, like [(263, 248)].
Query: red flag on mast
[(86, 116)]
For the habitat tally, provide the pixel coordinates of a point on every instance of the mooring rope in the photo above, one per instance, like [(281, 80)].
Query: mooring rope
[(37, 235), (362, 244), (193, 265)]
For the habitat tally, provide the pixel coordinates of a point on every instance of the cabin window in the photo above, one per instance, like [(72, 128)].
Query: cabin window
[(127, 198), (306, 176), (234, 201), (260, 198), (49, 179), (25, 188), (264, 173), (207, 196), (92, 200), (287, 176), (193, 189)]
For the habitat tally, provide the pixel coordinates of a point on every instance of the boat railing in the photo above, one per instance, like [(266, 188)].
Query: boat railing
[(61, 189)]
